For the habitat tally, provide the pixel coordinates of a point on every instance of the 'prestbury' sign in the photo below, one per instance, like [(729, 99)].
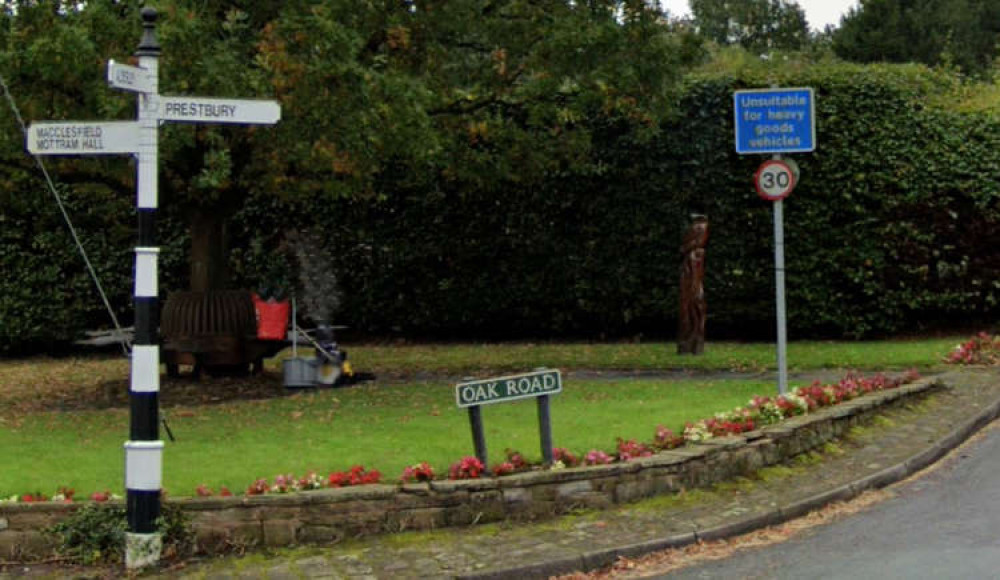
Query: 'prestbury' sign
[(208, 109), (509, 388)]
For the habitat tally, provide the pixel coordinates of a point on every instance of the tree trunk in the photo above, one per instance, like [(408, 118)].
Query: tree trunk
[(209, 251)]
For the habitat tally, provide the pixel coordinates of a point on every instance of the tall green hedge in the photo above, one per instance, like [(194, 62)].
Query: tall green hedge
[(892, 228)]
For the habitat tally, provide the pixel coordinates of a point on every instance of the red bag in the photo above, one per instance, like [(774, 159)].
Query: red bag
[(272, 318)]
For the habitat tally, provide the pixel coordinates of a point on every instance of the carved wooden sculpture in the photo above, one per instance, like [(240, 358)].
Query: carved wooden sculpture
[(693, 308)]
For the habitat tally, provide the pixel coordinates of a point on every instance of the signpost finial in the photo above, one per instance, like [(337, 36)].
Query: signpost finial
[(148, 45)]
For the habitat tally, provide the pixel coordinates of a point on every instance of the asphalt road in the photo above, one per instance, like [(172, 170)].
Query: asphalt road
[(944, 525)]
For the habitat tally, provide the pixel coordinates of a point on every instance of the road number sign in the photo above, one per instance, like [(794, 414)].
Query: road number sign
[(774, 180), (129, 78)]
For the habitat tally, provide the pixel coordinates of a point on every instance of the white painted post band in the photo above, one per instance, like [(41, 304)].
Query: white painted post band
[(142, 550), (144, 465), (145, 369), (145, 272)]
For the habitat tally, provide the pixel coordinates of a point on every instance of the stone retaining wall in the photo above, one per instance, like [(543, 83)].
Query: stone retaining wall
[(222, 524)]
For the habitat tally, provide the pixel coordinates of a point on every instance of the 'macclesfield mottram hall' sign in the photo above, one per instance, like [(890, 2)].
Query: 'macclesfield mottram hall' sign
[(503, 389)]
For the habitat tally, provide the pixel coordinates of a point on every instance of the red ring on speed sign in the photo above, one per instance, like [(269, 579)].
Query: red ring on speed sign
[(774, 180)]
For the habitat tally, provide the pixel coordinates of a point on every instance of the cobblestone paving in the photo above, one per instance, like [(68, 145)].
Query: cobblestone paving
[(592, 539)]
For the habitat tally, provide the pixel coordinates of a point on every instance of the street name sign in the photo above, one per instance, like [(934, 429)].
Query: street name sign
[(129, 78), (509, 388), (775, 120), (83, 138), (774, 180), (213, 110)]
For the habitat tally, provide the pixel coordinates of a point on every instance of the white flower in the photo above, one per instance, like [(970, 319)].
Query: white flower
[(697, 432)]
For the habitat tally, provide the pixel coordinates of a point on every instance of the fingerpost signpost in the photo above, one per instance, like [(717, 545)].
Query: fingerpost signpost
[(776, 121), (144, 449)]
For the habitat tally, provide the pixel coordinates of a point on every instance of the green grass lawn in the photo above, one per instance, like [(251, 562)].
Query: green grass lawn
[(389, 424), (386, 427), (805, 355)]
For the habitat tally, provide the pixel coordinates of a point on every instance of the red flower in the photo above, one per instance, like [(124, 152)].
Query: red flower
[(258, 487), (504, 468), (419, 472), (467, 468), (564, 455), (516, 459)]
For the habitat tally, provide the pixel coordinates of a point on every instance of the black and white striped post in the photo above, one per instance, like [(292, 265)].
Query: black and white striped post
[(144, 449)]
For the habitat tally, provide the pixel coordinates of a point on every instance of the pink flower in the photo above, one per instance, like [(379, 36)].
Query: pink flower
[(597, 457)]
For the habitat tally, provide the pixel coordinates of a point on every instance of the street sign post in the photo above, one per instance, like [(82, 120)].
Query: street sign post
[(775, 179), (775, 120), (144, 449), (537, 384)]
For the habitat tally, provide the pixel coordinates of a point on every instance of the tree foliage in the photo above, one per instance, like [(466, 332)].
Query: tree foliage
[(379, 100), (963, 33), (758, 26), (497, 169)]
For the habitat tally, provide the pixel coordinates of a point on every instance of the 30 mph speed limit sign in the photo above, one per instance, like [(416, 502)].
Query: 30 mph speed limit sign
[(774, 180)]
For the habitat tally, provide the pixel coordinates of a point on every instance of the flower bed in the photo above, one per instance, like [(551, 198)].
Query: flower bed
[(284, 513), (981, 349), (759, 412)]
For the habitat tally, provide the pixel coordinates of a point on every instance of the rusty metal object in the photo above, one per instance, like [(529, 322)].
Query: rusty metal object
[(209, 330)]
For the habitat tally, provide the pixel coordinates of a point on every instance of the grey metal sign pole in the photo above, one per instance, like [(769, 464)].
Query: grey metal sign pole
[(144, 449), (776, 120), (779, 285)]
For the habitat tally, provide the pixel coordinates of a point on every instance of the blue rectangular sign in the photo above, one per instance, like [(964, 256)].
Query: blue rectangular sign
[(775, 120)]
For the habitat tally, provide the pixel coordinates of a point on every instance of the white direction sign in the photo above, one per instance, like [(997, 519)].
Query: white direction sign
[(83, 138), (774, 180), (212, 110), (129, 78)]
